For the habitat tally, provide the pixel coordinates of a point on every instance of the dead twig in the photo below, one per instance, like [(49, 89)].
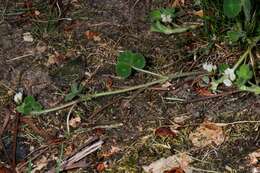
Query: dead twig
[(92, 145)]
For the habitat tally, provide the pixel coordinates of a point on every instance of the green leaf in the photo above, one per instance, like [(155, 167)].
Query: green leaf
[(161, 28), (234, 36), (247, 8), (244, 74), (223, 67), (29, 104), (232, 8), (126, 61), (138, 61), (123, 70), (75, 90), (155, 15)]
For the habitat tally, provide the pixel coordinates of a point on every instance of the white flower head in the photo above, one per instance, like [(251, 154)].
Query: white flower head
[(227, 82), (27, 37), (166, 18), (209, 67), (18, 97), (230, 74)]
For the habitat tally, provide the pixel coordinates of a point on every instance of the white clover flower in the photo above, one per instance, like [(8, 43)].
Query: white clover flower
[(27, 37), (230, 74), (166, 18), (18, 97), (227, 82), (209, 67)]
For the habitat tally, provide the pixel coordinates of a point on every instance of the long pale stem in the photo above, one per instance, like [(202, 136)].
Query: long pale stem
[(101, 94)]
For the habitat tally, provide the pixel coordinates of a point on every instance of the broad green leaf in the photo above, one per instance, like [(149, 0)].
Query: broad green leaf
[(138, 61), (75, 90), (126, 57), (232, 8), (223, 67), (247, 9), (234, 36), (244, 72), (123, 70), (126, 61), (155, 15), (29, 104)]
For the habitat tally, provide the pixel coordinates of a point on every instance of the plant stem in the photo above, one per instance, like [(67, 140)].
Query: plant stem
[(149, 72), (101, 94), (242, 58)]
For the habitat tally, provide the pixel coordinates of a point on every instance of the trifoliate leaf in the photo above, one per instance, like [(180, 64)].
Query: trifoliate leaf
[(232, 8), (123, 70), (222, 67)]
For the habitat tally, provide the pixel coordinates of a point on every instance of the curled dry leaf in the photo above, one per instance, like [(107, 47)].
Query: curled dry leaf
[(199, 13), (74, 122), (90, 35), (101, 166), (56, 58), (175, 170), (111, 152), (206, 134), (254, 158), (180, 161), (178, 3), (165, 132)]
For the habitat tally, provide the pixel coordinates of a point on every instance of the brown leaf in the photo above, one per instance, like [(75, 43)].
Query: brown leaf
[(74, 122), (199, 13), (90, 35), (111, 152), (206, 134), (101, 166), (254, 158), (181, 161), (175, 170), (165, 132), (55, 58), (178, 3), (204, 92)]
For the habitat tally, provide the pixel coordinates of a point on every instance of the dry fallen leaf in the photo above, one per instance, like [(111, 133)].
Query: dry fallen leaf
[(163, 165), (166, 132), (74, 122), (40, 164), (206, 134), (254, 158), (55, 58), (199, 13), (178, 3), (101, 166), (111, 152), (90, 35)]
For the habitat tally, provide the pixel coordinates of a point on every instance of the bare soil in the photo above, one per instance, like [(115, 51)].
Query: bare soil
[(128, 120)]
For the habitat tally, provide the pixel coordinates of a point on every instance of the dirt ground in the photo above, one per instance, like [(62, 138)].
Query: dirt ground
[(84, 50)]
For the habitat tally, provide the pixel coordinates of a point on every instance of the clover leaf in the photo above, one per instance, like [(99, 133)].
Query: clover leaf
[(244, 74), (128, 60), (232, 8), (29, 104), (75, 90)]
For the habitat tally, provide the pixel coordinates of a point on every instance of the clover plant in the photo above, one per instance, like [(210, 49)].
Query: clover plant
[(28, 105), (127, 61)]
